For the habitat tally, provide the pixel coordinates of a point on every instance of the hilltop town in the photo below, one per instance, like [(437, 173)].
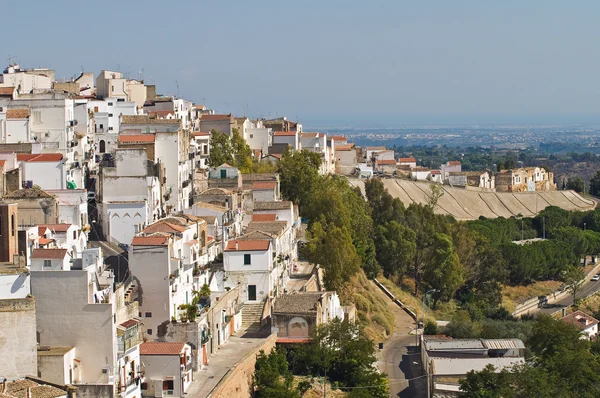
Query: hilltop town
[(152, 246)]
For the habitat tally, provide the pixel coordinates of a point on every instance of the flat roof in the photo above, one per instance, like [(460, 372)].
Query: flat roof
[(53, 351), (461, 366)]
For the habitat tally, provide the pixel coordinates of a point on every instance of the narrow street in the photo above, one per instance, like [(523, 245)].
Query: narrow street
[(399, 358)]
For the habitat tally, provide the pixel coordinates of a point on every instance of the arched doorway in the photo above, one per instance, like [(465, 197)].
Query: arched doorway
[(102, 146)]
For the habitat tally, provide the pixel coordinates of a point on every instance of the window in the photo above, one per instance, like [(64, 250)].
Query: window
[(110, 115), (101, 126), (120, 99), (13, 227), (168, 385), (110, 103), (247, 259), (47, 263), (37, 117), (149, 332), (96, 109), (148, 315), (75, 234), (110, 128), (251, 135)]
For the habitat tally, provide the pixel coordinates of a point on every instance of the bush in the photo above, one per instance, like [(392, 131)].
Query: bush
[(430, 328), (383, 321), (362, 304)]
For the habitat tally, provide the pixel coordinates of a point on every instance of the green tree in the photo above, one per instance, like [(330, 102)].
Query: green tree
[(486, 384), (299, 172), (433, 196), (396, 247), (384, 207), (444, 271), (220, 149), (272, 377), (595, 184), (574, 278), (242, 153), (334, 251), (576, 184)]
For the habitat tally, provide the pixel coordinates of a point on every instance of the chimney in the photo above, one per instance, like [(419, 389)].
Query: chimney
[(236, 245)]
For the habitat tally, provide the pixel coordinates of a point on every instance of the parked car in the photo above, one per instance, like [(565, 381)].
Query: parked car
[(596, 278)]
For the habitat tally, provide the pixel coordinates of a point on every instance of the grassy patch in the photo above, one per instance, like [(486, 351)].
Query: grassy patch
[(591, 304), (517, 294), (374, 314)]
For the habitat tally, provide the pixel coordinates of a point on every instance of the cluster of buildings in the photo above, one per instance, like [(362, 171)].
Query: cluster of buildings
[(367, 161), (126, 262)]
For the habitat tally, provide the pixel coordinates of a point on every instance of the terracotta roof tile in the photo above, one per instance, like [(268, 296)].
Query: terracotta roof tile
[(339, 138), (165, 227), (161, 113), (2, 163), (248, 245), (17, 113), (201, 134), (49, 253), (386, 161), (275, 228), (309, 135), (209, 118), (161, 348), (264, 185), (7, 91), (146, 119), (129, 323), (44, 241), (580, 320), (345, 147), (454, 163), (137, 138), (264, 217), (28, 193), (275, 205), (297, 303), (153, 240), (56, 227), (407, 160), (40, 157), (285, 133)]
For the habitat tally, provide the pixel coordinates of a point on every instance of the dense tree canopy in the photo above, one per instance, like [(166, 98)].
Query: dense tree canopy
[(231, 150)]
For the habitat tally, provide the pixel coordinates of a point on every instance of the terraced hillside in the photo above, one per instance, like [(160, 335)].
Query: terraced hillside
[(469, 205)]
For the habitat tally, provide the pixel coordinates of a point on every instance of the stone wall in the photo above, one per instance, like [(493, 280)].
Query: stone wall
[(18, 344), (95, 390), (237, 383)]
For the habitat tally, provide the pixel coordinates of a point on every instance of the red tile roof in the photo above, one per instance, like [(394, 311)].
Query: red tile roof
[(2, 163), (159, 240), (40, 157), (407, 160), (580, 320), (161, 348), (284, 133), (49, 253), (309, 135), (200, 134), (191, 242), (339, 138), (7, 91), (386, 161), (166, 227), (264, 185), (55, 227), (201, 107), (435, 172), (215, 117), (345, 147), (17, 113), (454, 163), (129, 323), (248, 245), (137, 138), (264, 217), (44, 241)]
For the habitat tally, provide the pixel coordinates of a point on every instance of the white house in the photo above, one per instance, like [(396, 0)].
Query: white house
[(582, 321), (451, 166), (420, 174), (110, 84), (50, 260), (67, 236), (264, 191), (259, 137), (345, 159), (290, 138), (27, 80), (202, 141), (107, 120), (95, 320), (72, 206), (162, 259), (167, 367), (283, 209), (250, 263), (436, 176), (317, 142), (47, 170), (129, 195), (410, 162), (15, 128)]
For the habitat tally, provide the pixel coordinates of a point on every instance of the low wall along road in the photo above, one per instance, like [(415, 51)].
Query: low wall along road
[(465, 204)]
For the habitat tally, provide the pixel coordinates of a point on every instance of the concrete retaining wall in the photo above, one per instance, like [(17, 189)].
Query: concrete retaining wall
[(398, 302), (237, 382)]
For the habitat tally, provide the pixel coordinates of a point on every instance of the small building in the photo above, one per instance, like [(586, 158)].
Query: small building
[(525, 180), (436, 176), (224, 176), (582, 321), (345, 159), (264, 191), (35, 206), (297, 314), (410, 162), (250, 263), (451, 166), (290, 138), (220, 123), (167, 367), (420, 173), (32, 387), (387, 166), (478, 179)]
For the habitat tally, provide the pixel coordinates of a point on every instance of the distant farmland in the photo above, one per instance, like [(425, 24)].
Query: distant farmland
[(470, 205)]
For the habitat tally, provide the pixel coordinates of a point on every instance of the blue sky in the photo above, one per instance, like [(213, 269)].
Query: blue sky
[(333, 62)]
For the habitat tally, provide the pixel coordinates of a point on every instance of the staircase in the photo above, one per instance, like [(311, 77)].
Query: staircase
[(251, 314)]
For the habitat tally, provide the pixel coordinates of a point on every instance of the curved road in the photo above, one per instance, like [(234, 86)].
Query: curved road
[(399, 358), (587, 289)]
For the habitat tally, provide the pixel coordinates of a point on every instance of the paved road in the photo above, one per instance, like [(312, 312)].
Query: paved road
[(589, 288), (399, 358)]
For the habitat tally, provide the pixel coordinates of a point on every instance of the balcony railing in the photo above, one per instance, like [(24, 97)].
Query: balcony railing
[(125, 344)]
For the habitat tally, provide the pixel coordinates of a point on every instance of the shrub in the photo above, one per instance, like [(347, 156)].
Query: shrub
[(430, 328)]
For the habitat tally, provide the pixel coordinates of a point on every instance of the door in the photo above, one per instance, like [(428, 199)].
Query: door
[(223, 173), (252, 292)]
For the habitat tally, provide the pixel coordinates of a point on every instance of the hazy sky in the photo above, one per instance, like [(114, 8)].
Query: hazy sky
[(332, 62)]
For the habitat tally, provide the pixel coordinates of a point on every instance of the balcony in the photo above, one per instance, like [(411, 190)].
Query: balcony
[(131, 337)]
